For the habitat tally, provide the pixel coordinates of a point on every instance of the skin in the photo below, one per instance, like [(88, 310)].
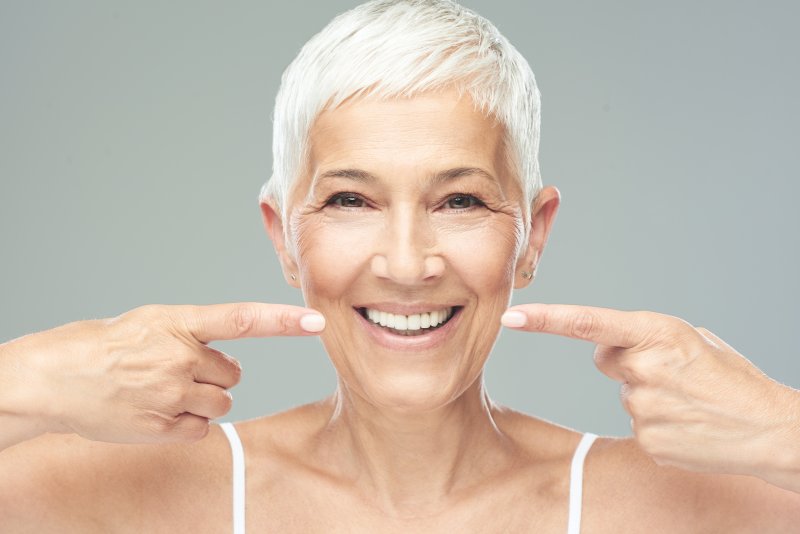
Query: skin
[(147, 376), (695, 402), (405, 238), (409, 441)]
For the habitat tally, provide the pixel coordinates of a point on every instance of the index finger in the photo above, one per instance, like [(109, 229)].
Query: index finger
[(604, 326), (249, 319)]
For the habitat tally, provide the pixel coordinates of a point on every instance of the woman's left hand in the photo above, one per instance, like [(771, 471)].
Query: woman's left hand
[(694, 401)]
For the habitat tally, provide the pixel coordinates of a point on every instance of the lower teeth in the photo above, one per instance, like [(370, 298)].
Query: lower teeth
[(409, 332)]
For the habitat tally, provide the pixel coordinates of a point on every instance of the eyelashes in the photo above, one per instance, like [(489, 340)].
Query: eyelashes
[(462, 201), (346, 200), (454, 202)]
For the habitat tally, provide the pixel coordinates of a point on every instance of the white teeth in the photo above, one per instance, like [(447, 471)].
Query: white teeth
[(414, 321), (425, 320)]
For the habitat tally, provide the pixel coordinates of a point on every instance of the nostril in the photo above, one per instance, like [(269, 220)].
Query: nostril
[(434, 267)]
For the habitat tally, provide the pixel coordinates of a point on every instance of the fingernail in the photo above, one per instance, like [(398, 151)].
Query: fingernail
[(514, 319), (312, 322)]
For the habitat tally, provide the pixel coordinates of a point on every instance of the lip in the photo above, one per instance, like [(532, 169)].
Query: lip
[(430, 340)]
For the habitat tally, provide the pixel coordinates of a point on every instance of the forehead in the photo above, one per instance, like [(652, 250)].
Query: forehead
[(407, 136)]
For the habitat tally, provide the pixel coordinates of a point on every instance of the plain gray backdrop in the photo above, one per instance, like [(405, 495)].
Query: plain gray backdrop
[(134, 137)]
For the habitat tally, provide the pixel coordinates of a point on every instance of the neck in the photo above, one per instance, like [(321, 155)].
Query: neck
[(415, 461)]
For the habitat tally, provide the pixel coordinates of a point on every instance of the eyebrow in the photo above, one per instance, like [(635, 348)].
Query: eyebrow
[(362, 176)]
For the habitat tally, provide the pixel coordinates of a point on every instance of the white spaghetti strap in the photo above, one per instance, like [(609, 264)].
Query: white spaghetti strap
[(238, 476), (576, 483)]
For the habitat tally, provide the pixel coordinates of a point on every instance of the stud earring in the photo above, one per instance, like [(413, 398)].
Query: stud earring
[(293, 277), (526, 275)]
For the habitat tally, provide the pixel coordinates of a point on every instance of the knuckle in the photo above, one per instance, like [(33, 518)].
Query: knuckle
[(243, 318), (644, 436), (604, 356), (675, 326), (148, 312), (139, 325), (649, 441), (226, 403), (162, 425), (625, 395), (649, 369), (230, 367), (636, 369), (659, 327), (707, 334), (198, 428), (285, 322), (539, 321), (636, 403), (236, 372), (174, 398), (186, 361), (584, 325)]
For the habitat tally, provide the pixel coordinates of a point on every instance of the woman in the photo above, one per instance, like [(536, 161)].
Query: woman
[(406, 204)]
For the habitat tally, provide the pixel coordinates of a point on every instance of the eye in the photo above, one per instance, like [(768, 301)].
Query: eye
[(346, 200), (462, 202)]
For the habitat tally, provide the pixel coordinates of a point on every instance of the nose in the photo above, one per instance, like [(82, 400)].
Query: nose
[(407, 252)]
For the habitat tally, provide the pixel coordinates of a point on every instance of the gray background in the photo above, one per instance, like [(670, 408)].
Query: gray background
[(134, 137)]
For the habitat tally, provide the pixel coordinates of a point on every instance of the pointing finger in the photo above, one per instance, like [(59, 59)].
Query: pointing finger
[(601, 325), (249, 319)]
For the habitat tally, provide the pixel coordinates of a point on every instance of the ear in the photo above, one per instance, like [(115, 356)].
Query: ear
[(543, 214), (274, 227)]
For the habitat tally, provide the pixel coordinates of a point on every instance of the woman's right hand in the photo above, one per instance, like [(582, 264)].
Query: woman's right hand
[(146, 376)]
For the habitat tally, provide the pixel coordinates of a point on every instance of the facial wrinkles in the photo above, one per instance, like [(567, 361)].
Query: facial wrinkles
[(334, 247)]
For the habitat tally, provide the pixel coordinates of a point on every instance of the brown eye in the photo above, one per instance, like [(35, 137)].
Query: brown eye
[(346, 200), (462, 202)]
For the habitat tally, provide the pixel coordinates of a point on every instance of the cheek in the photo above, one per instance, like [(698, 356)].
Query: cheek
[(331, 255), (482, 255)]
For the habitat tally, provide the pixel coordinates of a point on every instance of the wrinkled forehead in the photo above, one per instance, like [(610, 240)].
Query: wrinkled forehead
[(406, 138)]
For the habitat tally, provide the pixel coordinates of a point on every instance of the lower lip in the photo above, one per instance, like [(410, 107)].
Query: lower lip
[(420, 342)]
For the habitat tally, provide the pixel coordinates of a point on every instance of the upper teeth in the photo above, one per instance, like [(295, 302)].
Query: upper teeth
[(409, 322)]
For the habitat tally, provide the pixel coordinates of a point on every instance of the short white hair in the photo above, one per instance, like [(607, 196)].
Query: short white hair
[(400, 48)]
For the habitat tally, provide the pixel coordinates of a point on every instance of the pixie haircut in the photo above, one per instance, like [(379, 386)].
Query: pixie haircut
[(400, 48)]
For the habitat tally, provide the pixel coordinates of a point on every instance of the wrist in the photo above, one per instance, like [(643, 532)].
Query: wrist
[(21, 398), (781, 458), (18, 420)]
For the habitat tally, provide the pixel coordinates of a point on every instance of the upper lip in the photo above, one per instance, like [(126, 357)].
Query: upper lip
[(398, 308)]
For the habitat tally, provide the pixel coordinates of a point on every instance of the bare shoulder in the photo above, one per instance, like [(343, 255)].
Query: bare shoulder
[(282, 440), (541, 440), (66, 483), (623, 485), (624, 490)]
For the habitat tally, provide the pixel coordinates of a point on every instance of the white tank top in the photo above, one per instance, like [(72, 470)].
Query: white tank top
[(575, 480)]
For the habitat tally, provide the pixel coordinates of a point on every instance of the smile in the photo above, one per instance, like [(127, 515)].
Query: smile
[(409, 325)]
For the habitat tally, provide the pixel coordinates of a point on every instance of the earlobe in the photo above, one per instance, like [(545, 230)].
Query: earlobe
[(273, 224), (526, 269)]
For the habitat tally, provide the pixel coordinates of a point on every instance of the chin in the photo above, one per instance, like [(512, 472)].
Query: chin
[(410, 392)]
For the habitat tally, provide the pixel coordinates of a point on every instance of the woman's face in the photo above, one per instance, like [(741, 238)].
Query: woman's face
[(405, 234)]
